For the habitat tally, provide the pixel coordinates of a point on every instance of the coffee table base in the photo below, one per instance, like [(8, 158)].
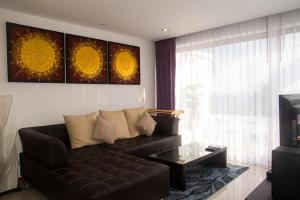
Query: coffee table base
[(177, 171)]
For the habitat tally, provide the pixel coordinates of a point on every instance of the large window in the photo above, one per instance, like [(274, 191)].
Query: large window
[(228, 81)]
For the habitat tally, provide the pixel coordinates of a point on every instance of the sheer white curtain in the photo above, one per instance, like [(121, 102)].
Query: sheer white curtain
[(8, 149), (290, 51), (228, 80)]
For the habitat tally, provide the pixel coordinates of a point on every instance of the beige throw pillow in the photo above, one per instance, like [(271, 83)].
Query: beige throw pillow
[(80, 129), (117, 117), (132, 116), (146, 124), (105, 130)]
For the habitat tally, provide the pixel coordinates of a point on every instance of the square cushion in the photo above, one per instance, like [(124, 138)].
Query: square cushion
[(80, 129), (146, 124), (105, 130), (132, 116), (117, 117)]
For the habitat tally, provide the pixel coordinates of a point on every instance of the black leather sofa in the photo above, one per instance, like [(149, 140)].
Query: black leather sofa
[(97, 172)]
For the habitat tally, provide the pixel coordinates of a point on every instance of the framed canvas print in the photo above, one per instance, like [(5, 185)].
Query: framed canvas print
[(34, 54), (123, 64), (86, 60)]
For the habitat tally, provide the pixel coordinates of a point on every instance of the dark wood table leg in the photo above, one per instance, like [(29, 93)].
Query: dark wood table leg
[(177, 177), (218, 160)]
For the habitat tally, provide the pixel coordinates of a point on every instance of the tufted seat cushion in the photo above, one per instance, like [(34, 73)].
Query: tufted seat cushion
[(98, 173)]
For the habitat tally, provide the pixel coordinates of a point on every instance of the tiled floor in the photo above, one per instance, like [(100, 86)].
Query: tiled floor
[(29, 194), (238, 189)]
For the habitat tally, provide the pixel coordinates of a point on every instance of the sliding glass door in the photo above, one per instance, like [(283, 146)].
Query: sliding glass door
[(228, 80)]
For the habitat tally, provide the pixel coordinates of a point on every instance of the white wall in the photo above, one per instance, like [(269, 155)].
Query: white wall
[(46, 103)]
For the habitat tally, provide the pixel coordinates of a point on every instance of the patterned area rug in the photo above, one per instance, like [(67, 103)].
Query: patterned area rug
[(202, 182)]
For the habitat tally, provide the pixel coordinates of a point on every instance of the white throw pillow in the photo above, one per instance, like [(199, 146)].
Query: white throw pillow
[(80, 129), (105, 131), (117, 117), (132, 117), (146, 124)]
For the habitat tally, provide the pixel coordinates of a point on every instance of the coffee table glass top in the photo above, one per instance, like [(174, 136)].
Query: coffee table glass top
[(183, 154)]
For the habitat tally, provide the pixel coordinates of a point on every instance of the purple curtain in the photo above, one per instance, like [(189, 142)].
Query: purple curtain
[(165, 73)]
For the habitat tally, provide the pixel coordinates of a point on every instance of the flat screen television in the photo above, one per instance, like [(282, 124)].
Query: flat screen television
[(289, 119)]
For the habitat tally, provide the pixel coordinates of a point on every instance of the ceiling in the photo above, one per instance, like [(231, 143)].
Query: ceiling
[(146, 18)]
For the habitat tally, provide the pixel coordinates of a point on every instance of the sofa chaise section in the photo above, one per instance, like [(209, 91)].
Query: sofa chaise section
[(90, 172)]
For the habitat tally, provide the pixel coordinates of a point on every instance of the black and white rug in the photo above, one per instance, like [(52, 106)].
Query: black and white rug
[(202, 182)]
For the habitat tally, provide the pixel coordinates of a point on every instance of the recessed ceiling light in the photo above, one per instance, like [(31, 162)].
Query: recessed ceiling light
[(165, 29)]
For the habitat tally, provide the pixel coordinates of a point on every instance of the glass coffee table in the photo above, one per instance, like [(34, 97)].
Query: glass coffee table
[(180, 158)]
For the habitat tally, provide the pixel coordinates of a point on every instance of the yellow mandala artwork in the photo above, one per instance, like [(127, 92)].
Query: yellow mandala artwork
[(36, 54), (125, 64), (87, 60)]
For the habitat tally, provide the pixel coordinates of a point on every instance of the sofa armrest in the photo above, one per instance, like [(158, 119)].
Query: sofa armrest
[(166, 125), (48, 150)]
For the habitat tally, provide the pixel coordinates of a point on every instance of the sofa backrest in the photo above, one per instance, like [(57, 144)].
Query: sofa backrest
[(166, 125), (58, 131)]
